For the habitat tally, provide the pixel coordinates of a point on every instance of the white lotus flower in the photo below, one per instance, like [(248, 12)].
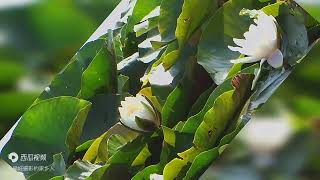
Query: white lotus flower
[(261, 42), (137, 113), (159, 76)]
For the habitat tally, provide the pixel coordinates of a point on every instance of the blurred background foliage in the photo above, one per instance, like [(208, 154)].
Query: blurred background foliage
[(38, 38)]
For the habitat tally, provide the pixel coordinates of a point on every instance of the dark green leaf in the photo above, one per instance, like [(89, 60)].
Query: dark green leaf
[(201, 102), (169, 13), (57, 168), (100, 75), (102, 116), (92, 58), (295, 37), (181, 99), (46, 125)]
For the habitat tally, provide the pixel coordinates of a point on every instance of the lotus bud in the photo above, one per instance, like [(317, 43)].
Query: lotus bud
[(138, 113)]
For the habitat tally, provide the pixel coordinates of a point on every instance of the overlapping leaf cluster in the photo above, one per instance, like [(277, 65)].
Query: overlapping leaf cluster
[(209, 101)]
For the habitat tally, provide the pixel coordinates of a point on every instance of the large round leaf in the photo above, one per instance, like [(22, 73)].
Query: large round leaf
[(47, 128)]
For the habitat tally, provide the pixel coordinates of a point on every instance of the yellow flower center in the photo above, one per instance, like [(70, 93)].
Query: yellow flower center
[(132, 109)]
